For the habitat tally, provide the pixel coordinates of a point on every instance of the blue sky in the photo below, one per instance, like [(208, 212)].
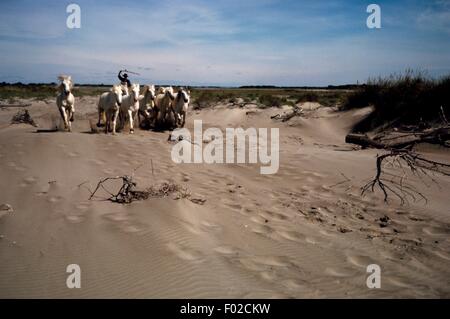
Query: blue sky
[(230, 42)]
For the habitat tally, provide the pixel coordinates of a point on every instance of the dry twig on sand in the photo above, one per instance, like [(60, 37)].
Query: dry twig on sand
[(128, 191), (23, 116), (396, 184)]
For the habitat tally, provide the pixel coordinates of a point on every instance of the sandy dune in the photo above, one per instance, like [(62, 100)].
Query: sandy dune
[(304, 232)]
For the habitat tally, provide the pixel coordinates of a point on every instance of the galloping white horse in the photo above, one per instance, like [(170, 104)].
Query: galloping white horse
[(180, 106), (109, 104), (147, 104), (66, 101), (130, 105), (163, 103)]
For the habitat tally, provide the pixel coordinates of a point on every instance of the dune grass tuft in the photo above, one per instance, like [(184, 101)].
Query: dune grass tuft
[(406, 99)]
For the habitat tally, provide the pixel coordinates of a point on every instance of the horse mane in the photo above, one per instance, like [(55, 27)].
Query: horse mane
[(149, 87), (63, 77)]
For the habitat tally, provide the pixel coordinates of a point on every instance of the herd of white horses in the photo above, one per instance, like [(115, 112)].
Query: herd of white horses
[(162, 108)]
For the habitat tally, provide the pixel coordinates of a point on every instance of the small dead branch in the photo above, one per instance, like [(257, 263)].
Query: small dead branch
[(82, 184), (125, 194), (394, 184), (346, 180), (23, 116), (296, 111)]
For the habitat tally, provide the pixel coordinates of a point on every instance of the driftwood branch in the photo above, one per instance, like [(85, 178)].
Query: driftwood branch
[(394, 184), (296, 111), (439, 135)]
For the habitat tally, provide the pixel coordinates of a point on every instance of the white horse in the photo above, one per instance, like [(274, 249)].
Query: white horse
[(66, 101), (180, 106), (109, 104), (163, 103), (130, 105), (147, 104)]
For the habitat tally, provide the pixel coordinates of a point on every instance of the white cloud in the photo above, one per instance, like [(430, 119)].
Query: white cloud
[(435, 20), (32, 21)]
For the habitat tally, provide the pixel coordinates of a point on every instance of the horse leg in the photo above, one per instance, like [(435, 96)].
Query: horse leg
[(72, 112), (184, 119), (144, 114), (69, 123), (70, 117), (119, 118), (107, 121), (61, 112), (158, 117), (135, 113), (130, 115), (155, 116), (114, 122), (64, 116), (100, 113), (122, 118)]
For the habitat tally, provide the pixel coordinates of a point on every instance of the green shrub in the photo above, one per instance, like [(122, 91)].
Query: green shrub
[(270, 100), (403, 99)]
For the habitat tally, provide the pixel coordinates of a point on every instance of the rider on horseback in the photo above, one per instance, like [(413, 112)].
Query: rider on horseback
[(124, 81)]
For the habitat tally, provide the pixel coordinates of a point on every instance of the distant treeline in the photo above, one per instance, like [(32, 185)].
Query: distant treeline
[(329, 87), (20, 84)]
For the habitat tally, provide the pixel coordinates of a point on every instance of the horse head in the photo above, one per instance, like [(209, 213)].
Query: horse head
[(169, 92), (151, 90), (66, 84), (182, 93), (161, 90), (117, 90), (135, 88)]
